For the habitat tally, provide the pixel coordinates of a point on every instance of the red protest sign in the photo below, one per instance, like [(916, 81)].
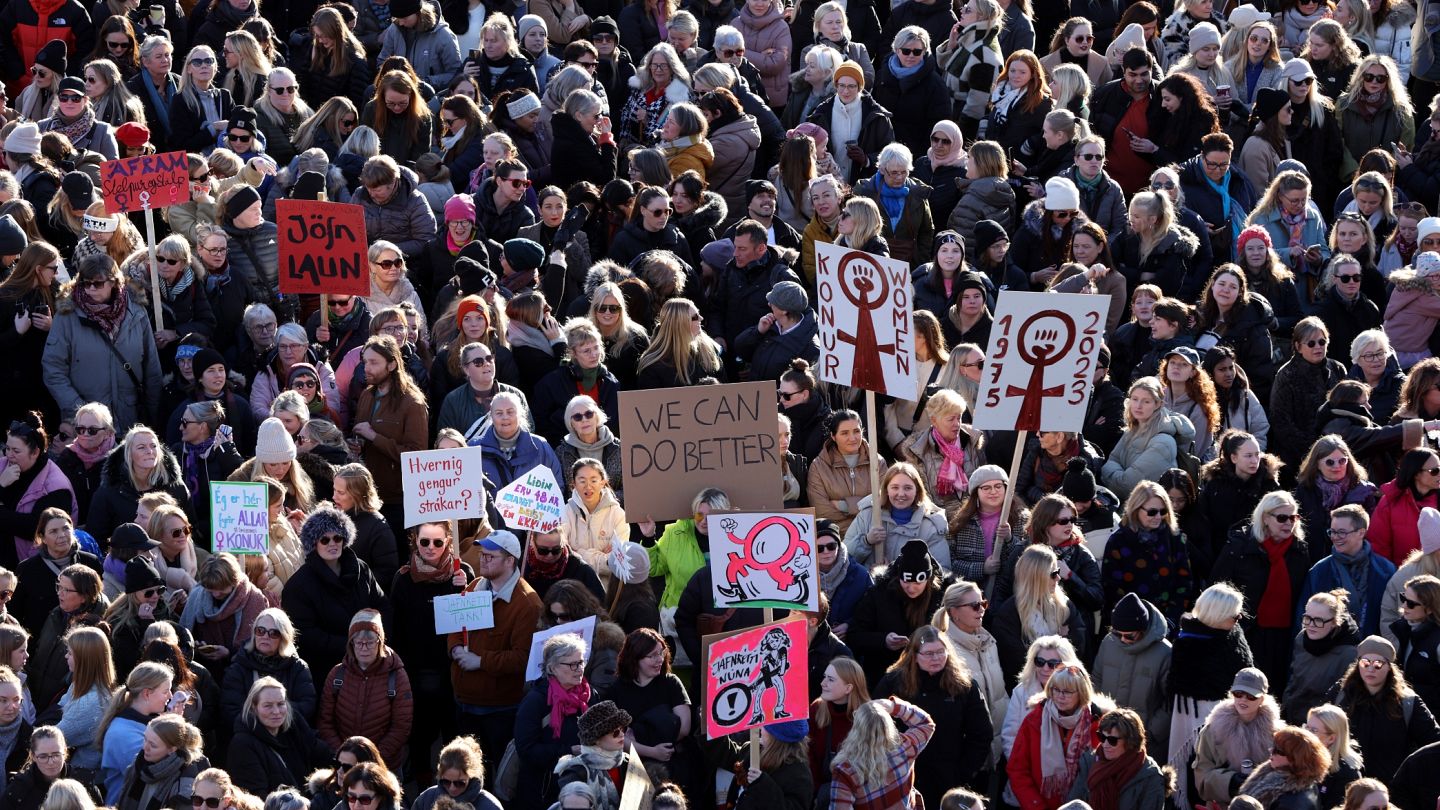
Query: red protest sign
[(322, 248), (145, 181)]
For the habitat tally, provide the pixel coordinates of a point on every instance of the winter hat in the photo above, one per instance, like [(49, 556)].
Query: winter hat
[(970, 280), (1130, 615), (467, 305), (914, 559), (852, 69), (12, 237), (52, 56), (1429, 226), (1203, 35), (987, 233), (1245, 16), (207, 357), (629, 563), (404, 8), (1061, 195), (1268, 103), (718, 254), (1429, 530), (1252, 681), (1427, 263), (600, 720), (986, 474), (1132, 37), (326, 520), (1252, 232), (792, 731), (601, 26), (79, 189), (1079, 482), (501, 540), (461, 207), (131, 536), (527, 22), (302, 370), (473, 276), (72, 83), (367, 621), (243, 198), (132, 134), (827, 528), (1297, 70), (946, 237), (309, 187), (524, 254), (1103, 358), (788, 296), (273, 444), (1291, 165), (1376, 647), (522, 105), (140, 574), (816, 132), (24, 139), (242, 117)]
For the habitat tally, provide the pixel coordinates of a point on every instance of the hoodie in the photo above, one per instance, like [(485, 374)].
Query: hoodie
[(1136, 675)]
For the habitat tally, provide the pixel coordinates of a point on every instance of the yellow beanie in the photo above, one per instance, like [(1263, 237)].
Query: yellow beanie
[(852, 69)]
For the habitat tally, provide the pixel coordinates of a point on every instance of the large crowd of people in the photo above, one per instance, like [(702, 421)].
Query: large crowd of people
[(1223, 592)]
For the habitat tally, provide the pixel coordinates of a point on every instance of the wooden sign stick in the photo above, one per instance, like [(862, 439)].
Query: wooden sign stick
[(880, 556), (996, 552), (154, 266)]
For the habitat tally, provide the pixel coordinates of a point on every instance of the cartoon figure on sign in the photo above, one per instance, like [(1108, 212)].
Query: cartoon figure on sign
[(782, 555), (774, 663), (1041, 347), (863, 282)]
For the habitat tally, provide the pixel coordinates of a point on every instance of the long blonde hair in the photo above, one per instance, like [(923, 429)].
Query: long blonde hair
[(248, 77), (674, 344), (332, 25), (1343, 750), (848, 670), (298, 108), (868, 745), (626, 330), (1043, 607)]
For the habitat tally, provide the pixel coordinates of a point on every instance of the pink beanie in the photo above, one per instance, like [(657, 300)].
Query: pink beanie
[(461, 206), (1429, 526), (1252, 232), (815, 131)]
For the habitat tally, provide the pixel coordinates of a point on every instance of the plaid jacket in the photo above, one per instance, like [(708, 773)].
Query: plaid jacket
[(845, 790)]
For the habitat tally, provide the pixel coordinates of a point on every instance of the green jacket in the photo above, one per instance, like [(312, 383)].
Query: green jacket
[(677, 556)]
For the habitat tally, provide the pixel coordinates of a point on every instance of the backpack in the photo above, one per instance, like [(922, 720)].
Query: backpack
[(338, 682)]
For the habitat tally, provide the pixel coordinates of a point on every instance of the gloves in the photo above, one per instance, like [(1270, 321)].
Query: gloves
[(467, 660)]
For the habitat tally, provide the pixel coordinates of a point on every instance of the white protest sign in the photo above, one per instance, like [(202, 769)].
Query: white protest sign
[(239, 517), (764, 559), (442, 484), (584, 628), (1039, 370), (531, 502), (865, 316), (473, 610)]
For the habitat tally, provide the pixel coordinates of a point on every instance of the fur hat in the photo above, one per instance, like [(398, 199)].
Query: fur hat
[(1131, 615), (1061, 195), (326, 520), (600, 720), (986, 474), (1079, 482), (852, 69), (1375, 647), (140, 574), (1429, 530), (52, 56), (273, 443), (1204, 35)]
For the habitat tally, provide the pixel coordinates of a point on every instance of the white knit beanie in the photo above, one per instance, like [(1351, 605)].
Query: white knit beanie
[(273, 444)]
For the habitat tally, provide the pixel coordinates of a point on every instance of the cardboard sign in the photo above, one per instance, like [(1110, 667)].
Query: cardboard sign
[(532, 502), (474, 610), (442, 485), (756, 677), (680, 440), (1041, 360), (239, 517), (584, 628), (147, 181), (764, 559), (866, 314), (322, 248)]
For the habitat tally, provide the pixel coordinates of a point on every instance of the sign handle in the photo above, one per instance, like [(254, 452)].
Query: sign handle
[(154, 267), (880, 556), (755, 732), (454, 526), (1010, 488)]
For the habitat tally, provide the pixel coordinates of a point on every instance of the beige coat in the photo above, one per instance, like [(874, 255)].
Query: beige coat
[(831, 479), (1096, 67), (590, 533)]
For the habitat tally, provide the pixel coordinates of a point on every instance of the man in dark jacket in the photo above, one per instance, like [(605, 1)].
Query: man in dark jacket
[(761, 199), (740, 298), (500, 205), (786, 332), (1125, 112)]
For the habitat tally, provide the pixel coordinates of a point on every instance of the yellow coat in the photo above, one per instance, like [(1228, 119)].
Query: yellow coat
[(689, 154)]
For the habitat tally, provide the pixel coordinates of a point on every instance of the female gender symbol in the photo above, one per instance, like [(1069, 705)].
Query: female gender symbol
[(866, 277), (1040, 351)]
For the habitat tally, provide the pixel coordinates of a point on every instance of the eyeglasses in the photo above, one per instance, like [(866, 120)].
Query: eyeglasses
[(658, 212), (70, 98), (1091, 156), (365, 644), (1219, 167), (549, 551), (1057, 691), (1340, 532), (239, 138), (825, 547), (609, 309), (728, 53), (516, 182), (1372, 357), (1064, 521), (940, 139), (940, 653), (1373, 663), (1111, 739), (976, 364), (1163, 185), (267, 632), (574, 666), (452, 783), (1376, 78), (1047, 663), (1240, 695), (1410, 603), (330, 539), (200, 801), (1314, 621), (284, 91), (95, 283), (912, 51), (360, 799), (484, 360), (216, 251), (391, 264), (60, 588)]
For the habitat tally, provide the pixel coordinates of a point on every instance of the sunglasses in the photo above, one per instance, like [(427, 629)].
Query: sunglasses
[(70, 98), (1082, 38), (331, 539), (1047, 663), (170, 261), (1064, 521), (1153, 512), (1410, 603), (1431, 470), (1373, 663), (1348, 278), (391, 264), (1162, 185), (200, 801), (202, 61), (581, 417), (284, 91), (183, 531), (150, 593), (1091, 156), (349, 122), (729, 53), (1377, 78), (549, 551), (1317, 343), (240, 138), (1239, 695), (431, 542), (118, 44), (452, 783), (912, 51), (940, 139), (1282, 518), (482, 361), (95, 283), (1336, 462), (360, 799), (267, 632), (336, 303), (1304, 82), (305, 384), (609, 309), (1111, 739), (983, 604), (516, 182), (824, 547), (1055, 574), (88, 431)]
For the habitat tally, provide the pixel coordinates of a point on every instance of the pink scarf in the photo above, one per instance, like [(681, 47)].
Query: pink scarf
[(566, 703), (952, 477), (101, 452)]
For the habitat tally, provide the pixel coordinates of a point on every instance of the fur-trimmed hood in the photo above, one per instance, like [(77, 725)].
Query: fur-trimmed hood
[(116, 472), (1268, 785), (1238, 739), (709, 214), (676, 92), (601, 272), (1408, 279), (1179, 240)]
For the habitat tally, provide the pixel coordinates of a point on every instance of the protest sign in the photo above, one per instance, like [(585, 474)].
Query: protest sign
[(472, 610), (1040, 368), (756, 677), (322, 248), (680, 440), (147, 181), (584, 628), (442, 485), (865, 314), (239, 517), (531, 502), (764, 559)]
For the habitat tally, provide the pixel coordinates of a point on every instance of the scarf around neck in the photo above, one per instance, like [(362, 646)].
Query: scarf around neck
[(1110, 776), (951, 478), (1354, 573), (1275, 604), (598, 764), (546, 567), (1060, 758), (421, 572), (109, 315), (91, 458), (152, 780), (830, 581), (892, 200), (595, 449), (75, 130), (899, 71), (566, 703)]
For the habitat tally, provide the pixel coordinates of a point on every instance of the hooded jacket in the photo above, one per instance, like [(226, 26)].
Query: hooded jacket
[(1394, 531), (1225, 731), (928, 525), (434, 54), (260, 761), (1412, 312), (79, 365), (30, 25), (1137, 675), (767, 43), (739, 301), (374, 703), (1315, 666), (405, 220), (831, 479), (736, 145), (1131, 463)]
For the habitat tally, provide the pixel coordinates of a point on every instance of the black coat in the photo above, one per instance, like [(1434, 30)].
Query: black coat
[(83, 480), (187, 122), (633, 240), (1005, 625), (876, 132), (1105, 416), (1225, 500), (556, 389), (260, 762), (770, 354), (35, 597), (1346, 319), (317, 86), (1204, 660), (321, 603), (1419, 658), (1167, 266), (1250, 336), (1417, 782), (117, 499), (936, 18), (413, 635), (578, 155), (1244, 564), (961, 742), (26, 790), (807, 425), (1384, 734), (247, 666), (879, 612), (375, 544), (576, 569), (1202, 199), (916, 100), (738, 301)]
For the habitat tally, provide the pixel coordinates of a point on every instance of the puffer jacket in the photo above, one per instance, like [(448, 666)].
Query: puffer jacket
[(590, 533), (1130, 463), (1299, 390), (405, 220), (912, 240), (247, 666), (768, 32), (434, 54), (688, 154), (376, 704), (928, 525), (991, 198), (1315, 666), (1395, 38), (317, 86), (735, 144), (1249, 334), (255, 256), (831, 479), (1137, 675), (79, 365), (29, 25), (1412, 312), (1168, 264)]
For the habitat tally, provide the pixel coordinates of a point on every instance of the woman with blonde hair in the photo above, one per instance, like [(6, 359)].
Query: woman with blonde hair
[(270, 650), (1148, 555), (860, 226), (68, 794), (1039, 607), (281, 112), (111, 100), (246, 68), (1258, 62), (960, 619), (105, 234), (1209, 649), (832, 713), (331, 124), (624, 339), (201, 110), (1152, 440), (1323, 648), (1057, 730), (1330, 725), (1375, 109), (906, 513), (680, 353), (163, 774), (145, 695), (875, 766)]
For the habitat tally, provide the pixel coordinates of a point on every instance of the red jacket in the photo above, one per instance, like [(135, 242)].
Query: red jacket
[(1024, 764), (32, 24), (1394, 525), (362, 705)]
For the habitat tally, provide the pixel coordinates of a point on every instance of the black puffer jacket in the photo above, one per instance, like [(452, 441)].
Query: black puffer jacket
[(1249, 336), (916, 100), (247, 666), (1167, 266), (117, 499), (633, 240), (1225, 500), (260, 761), (701, 226)]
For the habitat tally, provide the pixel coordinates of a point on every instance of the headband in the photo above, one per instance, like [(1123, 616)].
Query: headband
[(239, 201), (186, 352), (102, 224), (523, 106)]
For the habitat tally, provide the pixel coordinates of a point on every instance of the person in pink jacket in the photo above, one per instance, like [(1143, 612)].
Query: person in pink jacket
[(1414, 307), (767, 45), (1394, 526)]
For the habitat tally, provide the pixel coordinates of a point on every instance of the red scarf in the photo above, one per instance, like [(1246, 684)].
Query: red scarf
[(1110, 776), (546, 567), (1275, 605), (421, 572)]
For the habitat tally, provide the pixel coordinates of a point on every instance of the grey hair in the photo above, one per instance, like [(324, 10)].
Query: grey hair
[(1173, 176), (294, 332), (9, 184), (286, 798), (566, 81), (211, 412), (100, 411), (324, 432), (522, 414), (1368, 340), (255, 312), (684, 22), (580, 401), (728, 36), (908, 34), (291, 402), (826, 58), (378, 248), (571, 789), (152, 42), (579, 331), (557, 647), (712, 497), (896, 153), (580, 101)]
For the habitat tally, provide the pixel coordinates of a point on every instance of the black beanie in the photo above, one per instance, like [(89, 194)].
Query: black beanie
[(987, 233), (473, 276), (914, 558), (242, 199), (309, 187), (1079, 482), (52, 57), (1131, 615), (205, 358)]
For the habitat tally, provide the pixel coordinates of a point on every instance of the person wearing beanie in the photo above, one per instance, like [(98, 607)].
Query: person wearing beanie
[(368, 694), (604, 757), (142, 604), (1048, 466), (1386, 722), (1133, 664), (13, 240), (463, 384), (783, 778), (1056, 217), (1269, 144), (858, 127), (457, 230), (980, 527), (884, 618), (74, 116), (420, 33)]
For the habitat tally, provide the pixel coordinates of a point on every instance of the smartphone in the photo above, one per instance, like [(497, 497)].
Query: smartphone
[(475, 55), (41, 309), (157, 15)]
